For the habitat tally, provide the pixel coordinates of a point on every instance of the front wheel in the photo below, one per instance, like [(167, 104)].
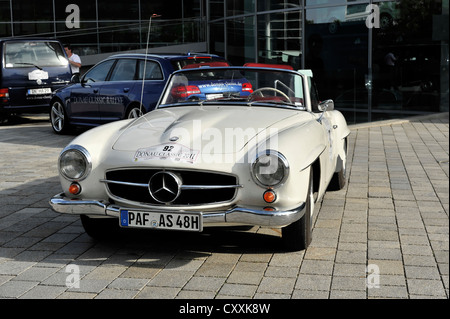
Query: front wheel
[(100, 228), (298, 235), (58, 118)]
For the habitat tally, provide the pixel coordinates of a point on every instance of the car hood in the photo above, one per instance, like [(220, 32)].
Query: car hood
[(212, 129)]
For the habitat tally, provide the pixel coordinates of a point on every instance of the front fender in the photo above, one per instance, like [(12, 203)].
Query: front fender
[(302, 144), (342, 133), (97, 141)]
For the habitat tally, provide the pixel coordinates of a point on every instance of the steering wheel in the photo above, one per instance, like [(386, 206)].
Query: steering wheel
[(260, 90)]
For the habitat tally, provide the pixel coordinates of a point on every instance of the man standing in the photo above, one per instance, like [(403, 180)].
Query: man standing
[(74, 60), (389, 61)]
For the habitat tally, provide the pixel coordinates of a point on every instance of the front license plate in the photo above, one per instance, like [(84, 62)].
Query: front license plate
[(156, 220), (39, 91)]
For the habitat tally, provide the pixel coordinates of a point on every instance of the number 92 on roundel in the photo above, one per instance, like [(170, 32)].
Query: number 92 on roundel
[(156, 220)]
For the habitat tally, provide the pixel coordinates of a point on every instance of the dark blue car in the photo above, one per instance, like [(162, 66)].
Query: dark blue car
[(113, 89), (30, 70)]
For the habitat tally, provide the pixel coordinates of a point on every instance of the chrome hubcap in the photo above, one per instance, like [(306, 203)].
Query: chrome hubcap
[(57, 116)]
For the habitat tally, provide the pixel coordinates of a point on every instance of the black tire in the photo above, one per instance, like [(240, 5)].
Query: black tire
[(298, 235), (100, 228), (58, 117)]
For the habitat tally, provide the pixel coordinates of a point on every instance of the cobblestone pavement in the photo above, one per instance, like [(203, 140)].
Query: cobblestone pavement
[(385, 235)]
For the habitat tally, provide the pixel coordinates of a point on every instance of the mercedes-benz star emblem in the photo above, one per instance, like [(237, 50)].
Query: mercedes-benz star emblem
[(164, 187)]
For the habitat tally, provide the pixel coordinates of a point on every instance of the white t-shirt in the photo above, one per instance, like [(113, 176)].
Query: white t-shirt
[(75, 58)]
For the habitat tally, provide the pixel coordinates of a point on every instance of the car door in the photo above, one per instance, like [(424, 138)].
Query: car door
[(114, 93), (326, 120), (154, 83), (84, 97)]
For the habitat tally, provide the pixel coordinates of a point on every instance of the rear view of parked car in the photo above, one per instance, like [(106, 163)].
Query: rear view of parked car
[(116, 88), (31, 69)]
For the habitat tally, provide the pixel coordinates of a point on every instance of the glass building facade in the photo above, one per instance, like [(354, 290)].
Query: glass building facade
[(376, 59), (104, 26)]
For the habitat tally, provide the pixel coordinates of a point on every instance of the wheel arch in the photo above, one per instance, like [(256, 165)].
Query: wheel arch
[(317, 171)]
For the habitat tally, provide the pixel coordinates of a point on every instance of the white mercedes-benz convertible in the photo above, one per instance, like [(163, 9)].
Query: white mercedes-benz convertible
[(224, 146)]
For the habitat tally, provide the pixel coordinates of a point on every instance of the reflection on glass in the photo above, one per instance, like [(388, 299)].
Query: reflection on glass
[(337, 52), (240, 37), (237, 7), (217, 38), (279, 38), (406, 60), (278, 5), (216, 8), (322, 2)]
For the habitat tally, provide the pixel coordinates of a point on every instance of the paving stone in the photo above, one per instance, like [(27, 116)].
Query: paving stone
[(276, 285), (347, 294), (238, 290), (310, 294), (205, 283), (171, 278), (426, 287), (246, 277), (396, 292), (128, 283), (116, 294), (36, 274), (158, 293), (15, 289), (313, 282), (43, 292)]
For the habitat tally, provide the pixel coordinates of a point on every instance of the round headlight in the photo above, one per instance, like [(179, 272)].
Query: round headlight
[(74, 163), (270, 169)]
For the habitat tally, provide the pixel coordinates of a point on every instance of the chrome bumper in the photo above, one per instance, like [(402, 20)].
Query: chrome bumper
[(235, 215)]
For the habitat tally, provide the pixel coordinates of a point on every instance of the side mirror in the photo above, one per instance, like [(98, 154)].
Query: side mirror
[(327, 105), (75, 78)]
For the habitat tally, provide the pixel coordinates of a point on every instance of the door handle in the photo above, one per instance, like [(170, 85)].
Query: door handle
[(95, 90), (126, 90)]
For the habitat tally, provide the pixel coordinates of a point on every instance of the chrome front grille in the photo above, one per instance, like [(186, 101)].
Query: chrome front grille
[(180, 187)]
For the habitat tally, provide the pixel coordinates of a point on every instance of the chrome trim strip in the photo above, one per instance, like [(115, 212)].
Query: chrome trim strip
[(235, 215), (182, 187), (107, 181), (210, 186)]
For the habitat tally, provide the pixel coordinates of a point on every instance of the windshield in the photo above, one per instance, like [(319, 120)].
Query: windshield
[(238, 85), (23, 54)]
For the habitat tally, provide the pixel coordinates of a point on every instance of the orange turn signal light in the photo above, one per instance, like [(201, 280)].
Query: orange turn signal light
[(74, 188), (269, 196)]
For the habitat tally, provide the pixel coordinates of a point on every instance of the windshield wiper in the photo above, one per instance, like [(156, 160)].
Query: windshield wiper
[(284, 103), (230, 98), (26, 63)]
